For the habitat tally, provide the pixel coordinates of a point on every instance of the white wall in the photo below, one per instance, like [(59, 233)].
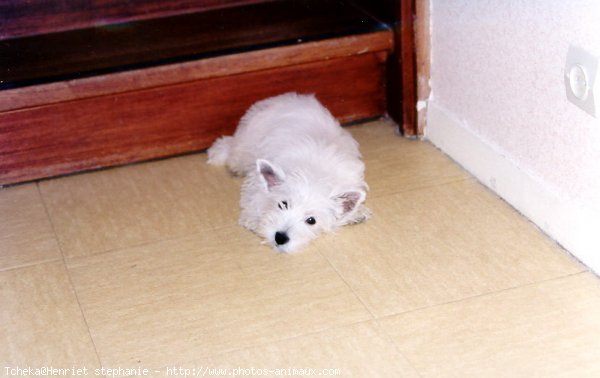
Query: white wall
[(498, 106)]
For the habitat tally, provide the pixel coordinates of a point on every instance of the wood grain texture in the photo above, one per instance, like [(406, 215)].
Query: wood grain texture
[(406, 61), (233, 64), (114, 48), (401, 85), (25, 17), (109, 130), (423, 59)]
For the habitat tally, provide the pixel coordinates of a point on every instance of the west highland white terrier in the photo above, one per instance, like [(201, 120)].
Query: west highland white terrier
[(304, 173)]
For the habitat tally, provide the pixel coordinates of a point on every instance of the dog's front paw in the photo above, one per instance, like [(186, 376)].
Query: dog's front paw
[(249, 222), (360, 215)]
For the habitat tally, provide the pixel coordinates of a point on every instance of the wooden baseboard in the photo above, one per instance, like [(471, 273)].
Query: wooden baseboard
[(95, 130)]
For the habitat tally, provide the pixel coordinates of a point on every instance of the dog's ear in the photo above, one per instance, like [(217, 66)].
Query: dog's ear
[(270, 174), (348, 202)]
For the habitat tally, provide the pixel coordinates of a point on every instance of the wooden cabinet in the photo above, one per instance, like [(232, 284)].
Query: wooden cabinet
[(84, 88)]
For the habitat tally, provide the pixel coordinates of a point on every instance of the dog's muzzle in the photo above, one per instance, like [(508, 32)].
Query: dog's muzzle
[(281, 238)]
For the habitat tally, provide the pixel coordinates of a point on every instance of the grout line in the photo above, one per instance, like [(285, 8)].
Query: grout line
[(373, 317), (379, 319), (482, 187), (424, 187), (497, 195), (387, 335), (153, 241), (389, 338), (317, 332), (286, 339), (69, 274), (30, 264), (539, 229), (512, 288)]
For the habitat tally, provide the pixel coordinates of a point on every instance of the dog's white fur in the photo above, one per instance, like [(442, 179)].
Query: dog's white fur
[(299, 164)]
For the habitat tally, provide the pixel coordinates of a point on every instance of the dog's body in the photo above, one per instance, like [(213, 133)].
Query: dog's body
[(304, 173)]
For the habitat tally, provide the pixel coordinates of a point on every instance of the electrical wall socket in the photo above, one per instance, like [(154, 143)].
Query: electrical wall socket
[(581, 72)]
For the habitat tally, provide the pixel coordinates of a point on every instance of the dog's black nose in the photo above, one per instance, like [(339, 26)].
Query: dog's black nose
[(281, 238)]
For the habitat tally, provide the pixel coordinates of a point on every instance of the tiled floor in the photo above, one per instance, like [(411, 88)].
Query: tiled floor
[(145, 266)]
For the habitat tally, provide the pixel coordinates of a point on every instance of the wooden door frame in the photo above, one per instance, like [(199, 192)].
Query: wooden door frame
[(407, 81), (412, 60)]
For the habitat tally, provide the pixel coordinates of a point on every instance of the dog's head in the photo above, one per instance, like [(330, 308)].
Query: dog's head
[(296, 210)]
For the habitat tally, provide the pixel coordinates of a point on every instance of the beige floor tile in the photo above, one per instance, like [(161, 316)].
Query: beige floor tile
[(359, 350), (548, 329), (175, 301), (395, 164), (26, 235), (440, 244), (165, 277), (127, 206), (41, 323)]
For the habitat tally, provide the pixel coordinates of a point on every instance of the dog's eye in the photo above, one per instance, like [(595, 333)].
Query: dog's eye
[(282, 205), (311, 221)]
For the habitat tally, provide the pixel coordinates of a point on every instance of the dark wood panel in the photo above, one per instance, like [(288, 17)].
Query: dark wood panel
[(20, 18), (401, 70), (405, 59), (384, 10), (93, 51), (109, 130), (422, 58), (233, 64)]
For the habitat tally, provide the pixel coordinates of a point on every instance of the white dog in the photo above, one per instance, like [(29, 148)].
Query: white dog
[(304, 173)]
